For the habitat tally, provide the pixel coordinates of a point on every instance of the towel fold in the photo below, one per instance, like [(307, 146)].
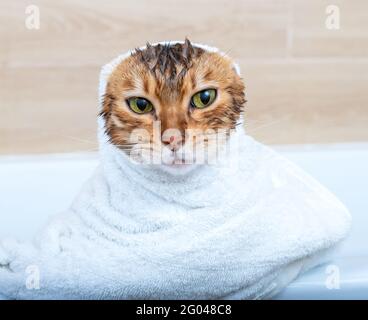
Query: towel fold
[(243, 228)]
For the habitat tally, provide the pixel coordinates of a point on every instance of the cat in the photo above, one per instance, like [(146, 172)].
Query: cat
[(185, 91), (167, 213)]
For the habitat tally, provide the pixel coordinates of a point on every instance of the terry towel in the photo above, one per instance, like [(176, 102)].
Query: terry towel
[(241, 229)]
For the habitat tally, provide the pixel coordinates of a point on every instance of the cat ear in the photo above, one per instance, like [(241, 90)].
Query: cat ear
[(188, 49)]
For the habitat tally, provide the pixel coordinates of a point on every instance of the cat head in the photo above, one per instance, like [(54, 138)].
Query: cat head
[(167, 103)]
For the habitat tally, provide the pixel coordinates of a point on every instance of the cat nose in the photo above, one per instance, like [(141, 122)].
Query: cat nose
[(173, 142)]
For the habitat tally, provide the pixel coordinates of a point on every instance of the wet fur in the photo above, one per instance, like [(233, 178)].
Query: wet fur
[(168, 76)]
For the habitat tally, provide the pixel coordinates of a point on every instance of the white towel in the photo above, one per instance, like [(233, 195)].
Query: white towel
[(240, 229)]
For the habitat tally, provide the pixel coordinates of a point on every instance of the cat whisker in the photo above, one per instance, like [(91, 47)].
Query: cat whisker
[(93, 142), (267, 124), (84, 151), (127, 144)]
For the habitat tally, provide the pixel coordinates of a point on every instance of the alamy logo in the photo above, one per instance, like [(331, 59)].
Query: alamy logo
[(174, 147), (333, 277), (33, 277), (32, 21), (333, 17)]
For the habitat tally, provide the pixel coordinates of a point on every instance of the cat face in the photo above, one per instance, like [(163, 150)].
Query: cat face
[(172, 98)]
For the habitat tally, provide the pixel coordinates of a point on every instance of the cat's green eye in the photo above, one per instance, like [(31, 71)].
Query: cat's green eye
[(140, 105), (203, 99)]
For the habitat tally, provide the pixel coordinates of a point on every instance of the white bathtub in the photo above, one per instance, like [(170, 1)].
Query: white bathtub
[(33, 187)]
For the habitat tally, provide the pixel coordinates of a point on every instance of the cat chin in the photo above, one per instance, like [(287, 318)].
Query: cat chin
[(177, 169)]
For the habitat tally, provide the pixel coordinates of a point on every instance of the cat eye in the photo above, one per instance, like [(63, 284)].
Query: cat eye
[(140, 105), (203, 99)]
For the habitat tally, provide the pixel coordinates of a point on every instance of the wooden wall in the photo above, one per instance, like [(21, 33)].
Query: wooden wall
[(305, 83)]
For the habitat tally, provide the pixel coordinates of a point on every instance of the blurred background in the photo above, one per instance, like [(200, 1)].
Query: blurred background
[(307, 83)]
